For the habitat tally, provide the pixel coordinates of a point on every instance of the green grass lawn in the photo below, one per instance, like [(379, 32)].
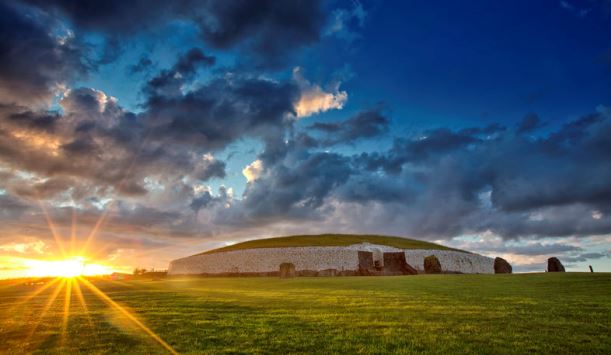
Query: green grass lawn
[(325, 240), (545, 313)]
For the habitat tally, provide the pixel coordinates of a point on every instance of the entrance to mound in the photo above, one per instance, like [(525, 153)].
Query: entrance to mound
[(366, 266), (396, 264)]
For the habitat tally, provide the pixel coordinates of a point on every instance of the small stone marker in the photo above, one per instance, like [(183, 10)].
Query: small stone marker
[(554, 265), (501, 266), (591, 270), (432, 265), (287, 270)]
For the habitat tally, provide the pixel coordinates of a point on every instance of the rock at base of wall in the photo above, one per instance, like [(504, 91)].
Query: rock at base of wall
[(327, 272), (287, 270), (432, 265), (501, 266), (307, 273), (554, 265), (395, 264)]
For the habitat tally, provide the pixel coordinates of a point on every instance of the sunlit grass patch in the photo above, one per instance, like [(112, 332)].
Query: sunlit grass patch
[(550, 313)]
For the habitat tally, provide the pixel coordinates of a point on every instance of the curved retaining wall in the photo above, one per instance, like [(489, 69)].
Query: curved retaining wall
[(266, 260), (453, 261)]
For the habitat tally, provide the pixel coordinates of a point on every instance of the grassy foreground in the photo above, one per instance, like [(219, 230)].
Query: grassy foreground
[(544, 313), (326, 240)]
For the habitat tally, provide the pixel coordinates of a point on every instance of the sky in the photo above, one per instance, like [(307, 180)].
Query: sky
[(139, 132)]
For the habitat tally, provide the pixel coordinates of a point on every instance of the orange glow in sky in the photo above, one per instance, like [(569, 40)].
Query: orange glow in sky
[(71, 267)]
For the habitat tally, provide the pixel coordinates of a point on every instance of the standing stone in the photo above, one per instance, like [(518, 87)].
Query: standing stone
[(365, 263), (287, 270), (554, 265), (501, 266), (432, 265)]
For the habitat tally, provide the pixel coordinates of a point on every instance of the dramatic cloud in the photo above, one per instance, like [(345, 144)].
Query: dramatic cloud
[(36, 58), (221, 111), (313, 99), (207, 93), (365, 124), (447, 183), (170, 82), (253, 170), (268, 30)]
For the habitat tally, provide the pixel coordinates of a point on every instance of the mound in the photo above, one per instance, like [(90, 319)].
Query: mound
[(331, 240), (329, 254)]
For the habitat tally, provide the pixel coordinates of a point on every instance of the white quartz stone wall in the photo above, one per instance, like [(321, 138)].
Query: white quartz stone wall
[(319, 258), (266, 260), (450, 260)]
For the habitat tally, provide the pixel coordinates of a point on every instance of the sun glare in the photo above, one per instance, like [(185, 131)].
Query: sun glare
[(71, 267)]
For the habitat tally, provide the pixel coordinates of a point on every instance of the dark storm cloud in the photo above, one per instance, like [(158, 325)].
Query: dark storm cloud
[(536, 249), (428, 147), (448, 182), (43, 190), (143, 65), (189, 62), (585, 257), (290, 191), (34, 62), (97, 142), (206, 199), (113, 16), (11, 207), (22, 117), (212, 169), (221, 111), (365, 124), (569, 166), (169, 82), (269, 30)]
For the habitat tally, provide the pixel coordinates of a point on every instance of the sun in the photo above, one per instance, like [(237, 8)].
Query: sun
[(67, 268)]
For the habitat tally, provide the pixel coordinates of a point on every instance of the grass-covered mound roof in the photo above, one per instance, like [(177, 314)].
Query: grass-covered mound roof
[(328, 240)]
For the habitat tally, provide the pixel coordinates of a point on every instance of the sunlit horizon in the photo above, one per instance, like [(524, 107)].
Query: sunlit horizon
[(71, 266)]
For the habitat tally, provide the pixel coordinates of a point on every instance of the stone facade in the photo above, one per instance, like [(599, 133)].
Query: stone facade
[(343, 259), (452, 261), (266, 260)]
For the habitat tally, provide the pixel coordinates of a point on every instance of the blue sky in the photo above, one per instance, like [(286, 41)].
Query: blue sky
[(481, 125)]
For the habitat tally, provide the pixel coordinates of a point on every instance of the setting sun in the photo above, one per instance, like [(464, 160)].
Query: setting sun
[(72, 267)]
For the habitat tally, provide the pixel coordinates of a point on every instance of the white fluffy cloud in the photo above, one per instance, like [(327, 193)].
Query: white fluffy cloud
[(253, 170), (314, 99)]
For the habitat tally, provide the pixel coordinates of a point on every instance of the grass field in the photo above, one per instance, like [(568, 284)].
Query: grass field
[(544, 313), (325, 240)]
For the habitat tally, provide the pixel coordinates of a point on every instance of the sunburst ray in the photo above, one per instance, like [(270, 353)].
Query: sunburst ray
[(45, 309), (81, 299), (58, 241), (104, 297), (84, 249), (34, 294), (66, 314)]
